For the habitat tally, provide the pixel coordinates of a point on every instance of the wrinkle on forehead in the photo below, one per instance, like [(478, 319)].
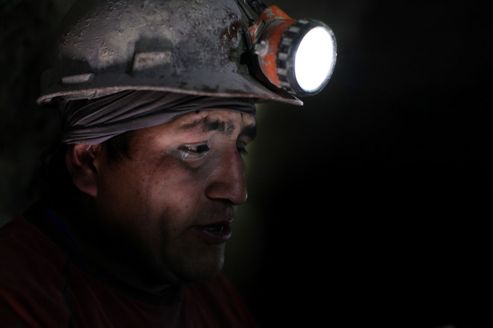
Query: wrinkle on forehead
[(224, 121), (214, 121)]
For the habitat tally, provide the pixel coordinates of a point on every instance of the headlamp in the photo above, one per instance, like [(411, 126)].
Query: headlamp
[(295, 55)]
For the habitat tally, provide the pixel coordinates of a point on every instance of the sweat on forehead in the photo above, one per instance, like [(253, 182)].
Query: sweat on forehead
[(214, 121), (197, 124)]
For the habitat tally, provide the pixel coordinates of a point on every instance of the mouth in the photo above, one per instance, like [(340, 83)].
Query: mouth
[(215, 233)]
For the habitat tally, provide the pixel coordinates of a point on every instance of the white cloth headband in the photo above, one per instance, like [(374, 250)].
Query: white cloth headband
[(94, 121)]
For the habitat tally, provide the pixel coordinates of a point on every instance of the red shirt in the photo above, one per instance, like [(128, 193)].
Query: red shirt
[(41, 287)]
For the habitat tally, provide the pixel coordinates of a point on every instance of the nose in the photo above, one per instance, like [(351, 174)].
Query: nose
[(228, 181)]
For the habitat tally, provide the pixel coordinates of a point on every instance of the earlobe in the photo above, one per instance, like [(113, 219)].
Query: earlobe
[(81, 164)]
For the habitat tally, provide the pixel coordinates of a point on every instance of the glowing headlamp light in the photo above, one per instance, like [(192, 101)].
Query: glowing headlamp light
[(295, 55)]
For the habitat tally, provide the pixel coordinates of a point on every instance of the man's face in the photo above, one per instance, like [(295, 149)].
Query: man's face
[(173, 197)]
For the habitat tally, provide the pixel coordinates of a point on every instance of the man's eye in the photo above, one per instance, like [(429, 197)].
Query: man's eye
[(193, 151)]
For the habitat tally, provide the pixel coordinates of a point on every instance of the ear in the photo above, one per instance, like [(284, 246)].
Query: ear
[(81, 161)]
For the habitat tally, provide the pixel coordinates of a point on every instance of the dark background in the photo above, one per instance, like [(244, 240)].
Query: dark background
[(368, 206)]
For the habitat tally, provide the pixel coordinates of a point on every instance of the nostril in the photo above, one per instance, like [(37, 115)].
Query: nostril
[(232, 192)]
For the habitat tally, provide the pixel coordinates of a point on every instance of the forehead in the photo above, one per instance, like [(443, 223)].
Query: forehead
[(225, 116), (223, 120)]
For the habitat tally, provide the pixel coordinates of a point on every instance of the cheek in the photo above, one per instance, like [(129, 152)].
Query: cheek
[(175, 201), (120, 201), (152, 193), (172, 192)]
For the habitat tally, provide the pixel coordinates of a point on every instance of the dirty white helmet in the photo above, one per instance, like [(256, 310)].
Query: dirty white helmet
[(198, 47)]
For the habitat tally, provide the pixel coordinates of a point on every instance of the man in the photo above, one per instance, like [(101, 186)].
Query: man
[(138, 226), (157, 110)]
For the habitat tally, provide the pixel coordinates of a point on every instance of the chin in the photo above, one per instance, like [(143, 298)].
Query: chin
[(200, 270), (205, 273)]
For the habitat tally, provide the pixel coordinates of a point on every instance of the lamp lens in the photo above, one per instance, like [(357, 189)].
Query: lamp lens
[(314, 59)]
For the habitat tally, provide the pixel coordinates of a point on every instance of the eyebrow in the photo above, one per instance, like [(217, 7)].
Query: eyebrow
[(219, 125)]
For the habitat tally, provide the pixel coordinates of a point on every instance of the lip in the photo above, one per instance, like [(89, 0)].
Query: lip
[(214, 237)]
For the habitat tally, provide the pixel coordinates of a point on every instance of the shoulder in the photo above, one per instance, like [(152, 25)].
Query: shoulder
[(27, 254), (218, 303), (31, 276)]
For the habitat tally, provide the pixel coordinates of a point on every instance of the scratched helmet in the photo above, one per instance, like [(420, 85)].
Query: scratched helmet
[(193, 47)]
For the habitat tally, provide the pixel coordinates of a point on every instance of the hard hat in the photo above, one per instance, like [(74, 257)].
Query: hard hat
[(185, 46), (222, 48)]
